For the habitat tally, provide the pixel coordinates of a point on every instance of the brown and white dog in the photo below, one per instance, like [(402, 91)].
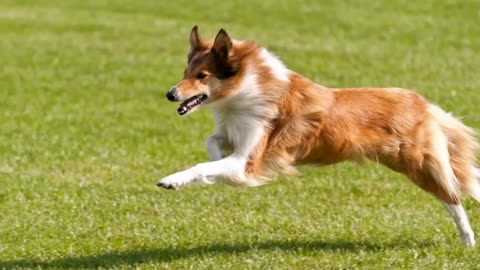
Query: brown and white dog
[(272, 119)]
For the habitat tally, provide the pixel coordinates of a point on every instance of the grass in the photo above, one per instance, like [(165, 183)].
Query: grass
[(85, 133)]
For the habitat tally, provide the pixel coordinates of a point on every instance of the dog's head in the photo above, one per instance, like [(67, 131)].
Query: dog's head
[(210, 72)]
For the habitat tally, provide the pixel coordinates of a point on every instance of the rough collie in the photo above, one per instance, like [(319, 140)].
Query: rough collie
[(269, 119)]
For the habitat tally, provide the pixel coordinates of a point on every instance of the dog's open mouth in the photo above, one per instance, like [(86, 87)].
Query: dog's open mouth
[(191, 103)]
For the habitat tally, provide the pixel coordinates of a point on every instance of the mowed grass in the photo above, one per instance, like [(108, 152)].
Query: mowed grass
[(85, 133)]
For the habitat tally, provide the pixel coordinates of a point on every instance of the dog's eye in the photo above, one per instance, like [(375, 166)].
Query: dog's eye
[(201, 75)]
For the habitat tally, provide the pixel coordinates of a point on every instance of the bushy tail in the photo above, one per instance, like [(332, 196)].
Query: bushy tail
[(462, 149), (474, 188), (476, 173)]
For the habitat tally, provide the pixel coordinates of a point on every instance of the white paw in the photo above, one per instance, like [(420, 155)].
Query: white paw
[(468, 239), (176, 180)]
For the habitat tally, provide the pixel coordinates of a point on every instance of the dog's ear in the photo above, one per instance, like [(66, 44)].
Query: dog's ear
[(222, 44), (194, 38)]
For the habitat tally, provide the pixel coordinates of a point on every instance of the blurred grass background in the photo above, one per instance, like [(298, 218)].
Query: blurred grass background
[(85, 133)]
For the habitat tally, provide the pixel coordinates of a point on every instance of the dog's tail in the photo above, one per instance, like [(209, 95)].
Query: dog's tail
[(476, 173), (474, 189), (462, 149)]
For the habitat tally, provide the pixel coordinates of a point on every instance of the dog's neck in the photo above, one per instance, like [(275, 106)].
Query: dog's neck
[(243, 117), (250, 98)]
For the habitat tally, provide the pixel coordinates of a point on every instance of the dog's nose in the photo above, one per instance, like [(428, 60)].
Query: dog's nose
[(171, 94)]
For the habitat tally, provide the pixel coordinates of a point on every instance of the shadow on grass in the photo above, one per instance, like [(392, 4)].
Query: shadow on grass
[(134, 257)]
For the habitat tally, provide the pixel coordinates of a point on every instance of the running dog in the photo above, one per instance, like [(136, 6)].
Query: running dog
[(270, 119)]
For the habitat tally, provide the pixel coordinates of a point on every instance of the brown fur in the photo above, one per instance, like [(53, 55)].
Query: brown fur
[(322, 126), (314, 124)]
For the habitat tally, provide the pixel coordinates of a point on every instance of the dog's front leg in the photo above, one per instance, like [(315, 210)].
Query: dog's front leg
[(230, 169), (214, 145)]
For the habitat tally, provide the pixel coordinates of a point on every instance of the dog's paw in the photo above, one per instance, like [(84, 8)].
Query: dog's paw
[(167, 185), (176, 181)]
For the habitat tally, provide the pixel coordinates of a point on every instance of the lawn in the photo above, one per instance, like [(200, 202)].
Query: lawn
[(86, 132)]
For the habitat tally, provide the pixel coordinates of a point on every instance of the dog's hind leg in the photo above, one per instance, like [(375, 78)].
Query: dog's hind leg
[(472, 187), (460, 147), (448, 187), (454, 206), (451, 201), (461, 220), (429, 167)]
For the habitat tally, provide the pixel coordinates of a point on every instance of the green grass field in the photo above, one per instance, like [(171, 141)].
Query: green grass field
[(86, 132)]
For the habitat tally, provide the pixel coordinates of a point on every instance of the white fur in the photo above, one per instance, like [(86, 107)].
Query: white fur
[(241, 116), (463, 226), (229, 169), (279, 70), (239, 119), (446, 177), (476, 173), (473, 187)]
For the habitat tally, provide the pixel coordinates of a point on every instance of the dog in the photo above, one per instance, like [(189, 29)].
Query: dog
[(268, 119)]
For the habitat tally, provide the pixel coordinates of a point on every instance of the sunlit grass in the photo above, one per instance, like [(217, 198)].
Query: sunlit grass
[(86, 132)]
